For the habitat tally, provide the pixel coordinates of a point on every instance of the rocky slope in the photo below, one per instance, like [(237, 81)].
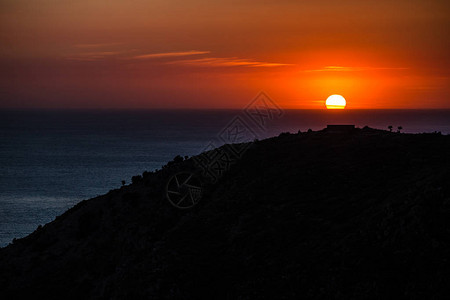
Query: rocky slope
[(364, 214)]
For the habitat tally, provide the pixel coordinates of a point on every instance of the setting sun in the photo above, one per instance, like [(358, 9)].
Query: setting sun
[(335, 102)]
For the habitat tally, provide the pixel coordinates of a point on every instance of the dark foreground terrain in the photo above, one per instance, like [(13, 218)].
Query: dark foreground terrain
[(364, 214)]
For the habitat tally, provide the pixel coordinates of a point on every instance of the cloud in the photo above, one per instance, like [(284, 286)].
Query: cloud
[(351, 69), (173, 58), (95, 45), (226, 62), (170, 54), (92, 56)]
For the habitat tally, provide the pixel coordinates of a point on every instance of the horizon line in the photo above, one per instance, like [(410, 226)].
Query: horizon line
[(115, 109)]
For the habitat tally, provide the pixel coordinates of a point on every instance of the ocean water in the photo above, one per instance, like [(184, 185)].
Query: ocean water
[(50, 160)]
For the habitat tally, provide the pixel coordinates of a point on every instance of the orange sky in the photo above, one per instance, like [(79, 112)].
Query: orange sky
[(220, 54)]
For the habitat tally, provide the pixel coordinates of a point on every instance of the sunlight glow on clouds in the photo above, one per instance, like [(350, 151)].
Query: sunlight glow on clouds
[(170, 54), (351, 69), (227, 62), (200, 62), (176, 53)]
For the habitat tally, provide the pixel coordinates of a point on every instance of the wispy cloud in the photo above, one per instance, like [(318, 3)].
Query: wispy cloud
[(226, 62), (169, 54), (351, 69), (92, 56), (169, 58), (95, 45)]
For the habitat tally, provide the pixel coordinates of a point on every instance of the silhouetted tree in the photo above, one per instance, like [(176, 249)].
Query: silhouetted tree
[(178, 159), (123, 182), (399, 128), (390, 128)]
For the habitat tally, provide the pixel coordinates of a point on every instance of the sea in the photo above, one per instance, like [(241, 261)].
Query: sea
[(52, 159)]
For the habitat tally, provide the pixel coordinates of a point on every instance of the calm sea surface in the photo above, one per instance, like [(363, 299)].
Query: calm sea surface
[(50, 160)]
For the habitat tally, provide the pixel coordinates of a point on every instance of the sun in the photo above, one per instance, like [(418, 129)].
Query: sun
[(335, 102)]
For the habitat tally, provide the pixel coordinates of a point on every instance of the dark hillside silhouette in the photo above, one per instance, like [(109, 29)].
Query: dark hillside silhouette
[(359, 214)]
